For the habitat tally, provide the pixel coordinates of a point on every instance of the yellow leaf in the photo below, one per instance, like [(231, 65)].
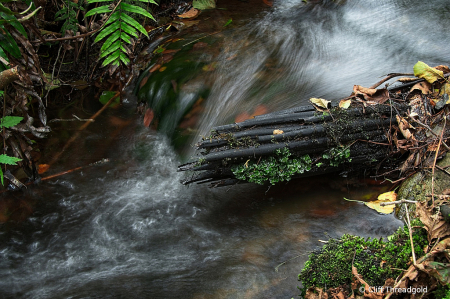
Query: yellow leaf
[(163, 69), (383, 198), (322, 103), (423, 70), (344, 104)]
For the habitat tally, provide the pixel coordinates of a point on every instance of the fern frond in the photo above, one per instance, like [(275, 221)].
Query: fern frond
[(98, 10), (134, 23), (118, 30), (136, 9)]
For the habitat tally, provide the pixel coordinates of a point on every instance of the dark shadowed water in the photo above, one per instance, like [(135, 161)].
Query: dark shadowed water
[(129, 229)]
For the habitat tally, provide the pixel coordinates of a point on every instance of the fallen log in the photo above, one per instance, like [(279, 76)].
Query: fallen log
[(389, 136)]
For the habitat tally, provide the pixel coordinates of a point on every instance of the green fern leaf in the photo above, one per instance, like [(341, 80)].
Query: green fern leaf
[(8, 43), (107, 31), (4, 159), (10, 121), (98, 10), (112, 48), (109, 41), (124, 58), (115, 16), (112, 59), (136, 9), (148, 1), (128, 29), (134, 23), (125, 37)]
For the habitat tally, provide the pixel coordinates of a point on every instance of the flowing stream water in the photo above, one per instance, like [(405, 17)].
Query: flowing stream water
[(129, 229)]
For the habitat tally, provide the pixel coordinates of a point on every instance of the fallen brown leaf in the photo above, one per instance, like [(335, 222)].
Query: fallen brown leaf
[(148, 117), (378, 96), (190, 14), (424, 87), (434, 224), (404, 127)]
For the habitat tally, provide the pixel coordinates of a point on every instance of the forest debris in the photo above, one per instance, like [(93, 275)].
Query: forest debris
[(371, 95), (368, 291), (321, 103), (424, 87), (405, 127), (190, 14), (423, 70), (436, 226), (316, 293), (378, 205), (345, 104)]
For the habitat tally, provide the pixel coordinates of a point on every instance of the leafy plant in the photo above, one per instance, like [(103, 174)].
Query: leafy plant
[(7, 42), (119, 29), (273, 169), (337, 155), (69, 14), (8, 122)]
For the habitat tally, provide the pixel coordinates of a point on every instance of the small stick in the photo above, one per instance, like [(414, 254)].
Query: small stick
[(435, 158), (410, 235), (84, 126), (389, 76), (431, 131), (74, 169), (443, 170), (397, 202), (63, 173), (76, 118)]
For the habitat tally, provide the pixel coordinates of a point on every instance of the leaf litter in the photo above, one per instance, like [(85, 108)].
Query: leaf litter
[(413, 135)]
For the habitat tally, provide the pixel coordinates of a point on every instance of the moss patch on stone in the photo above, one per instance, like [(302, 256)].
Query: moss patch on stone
[(375, 259)]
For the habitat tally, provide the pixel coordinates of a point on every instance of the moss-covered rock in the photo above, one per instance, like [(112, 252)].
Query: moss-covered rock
[(375, 259)]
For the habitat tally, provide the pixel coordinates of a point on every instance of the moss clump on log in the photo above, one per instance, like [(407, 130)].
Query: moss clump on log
[(375, 259)]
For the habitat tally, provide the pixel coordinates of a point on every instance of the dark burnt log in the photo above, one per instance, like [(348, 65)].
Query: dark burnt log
[(304, 131)]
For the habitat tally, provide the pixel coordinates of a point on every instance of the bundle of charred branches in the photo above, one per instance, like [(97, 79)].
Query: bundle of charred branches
[(377, 132)]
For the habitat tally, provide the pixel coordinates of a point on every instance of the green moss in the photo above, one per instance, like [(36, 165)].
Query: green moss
[(337, 156), (375, 259), (273, 169)]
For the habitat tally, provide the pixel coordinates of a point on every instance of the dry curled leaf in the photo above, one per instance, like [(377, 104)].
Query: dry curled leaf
[(434, 224), (190, 14), (424, 87), (405, 127), (321, 103), (375, 96)]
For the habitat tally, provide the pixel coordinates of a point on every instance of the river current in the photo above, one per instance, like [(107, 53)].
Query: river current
[(129, 229)]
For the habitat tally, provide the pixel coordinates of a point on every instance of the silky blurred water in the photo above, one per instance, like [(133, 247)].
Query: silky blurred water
[(129, 229)]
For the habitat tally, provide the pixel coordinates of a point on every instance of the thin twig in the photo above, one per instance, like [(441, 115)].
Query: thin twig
[(435, 159), (408, 223), (432, 132), (397, 202), (84, 126), (76, 118), (389, 76)]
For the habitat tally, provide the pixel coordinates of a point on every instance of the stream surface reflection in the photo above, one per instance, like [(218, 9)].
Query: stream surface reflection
[(128, 229)]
